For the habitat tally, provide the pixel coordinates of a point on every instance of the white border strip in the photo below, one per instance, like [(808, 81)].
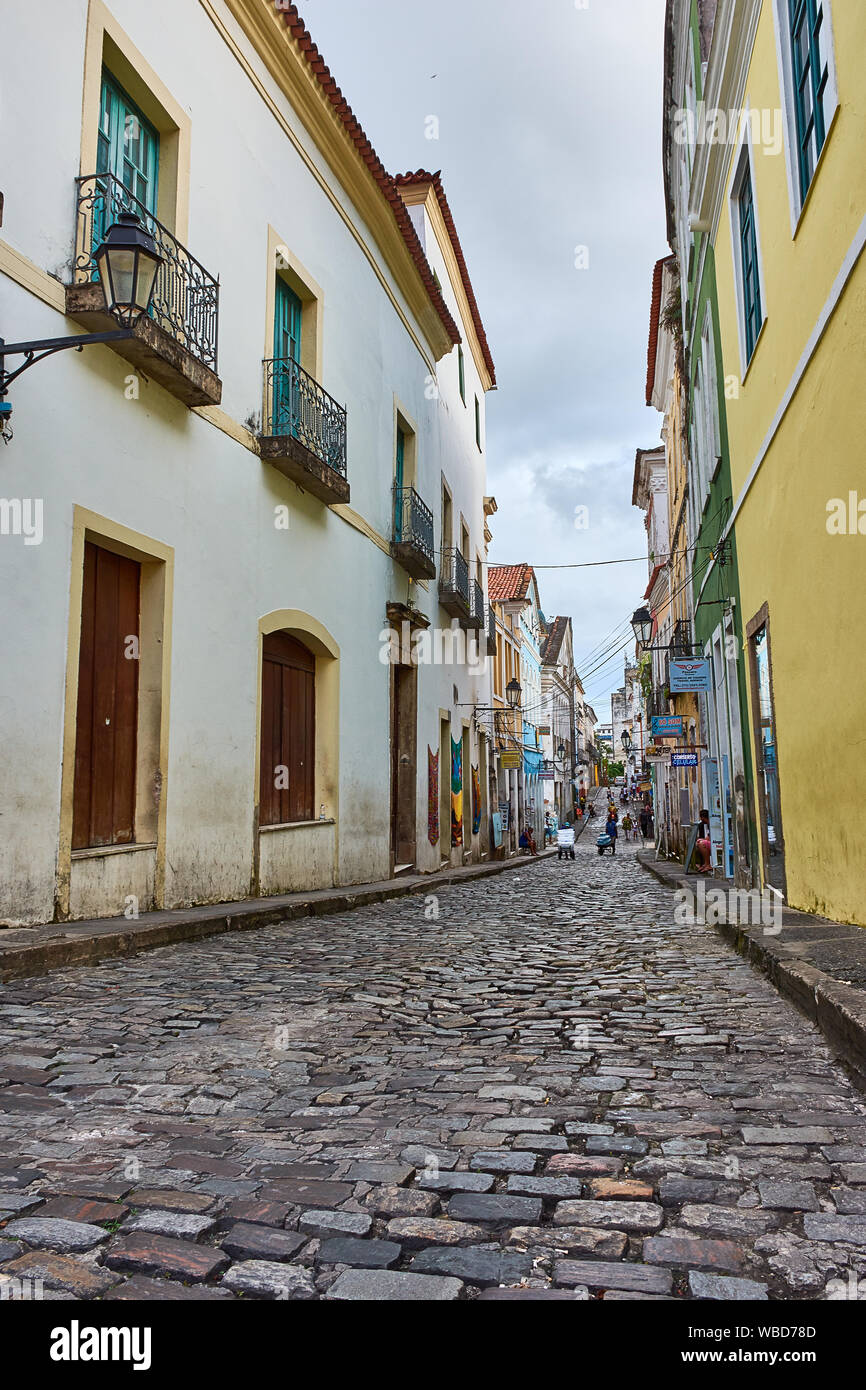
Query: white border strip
[(849, 264)]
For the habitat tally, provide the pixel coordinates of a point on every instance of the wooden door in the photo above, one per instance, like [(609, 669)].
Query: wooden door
[(287, 766), (107, 714)]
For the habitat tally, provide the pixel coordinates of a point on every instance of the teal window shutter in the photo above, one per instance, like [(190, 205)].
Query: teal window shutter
[(288, 313), (811, 75), (752, 311), (127, 145), (398, 485)]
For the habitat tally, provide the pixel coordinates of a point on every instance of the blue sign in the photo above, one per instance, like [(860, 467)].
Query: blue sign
[(690, 677), (667, 726), (684, 760)]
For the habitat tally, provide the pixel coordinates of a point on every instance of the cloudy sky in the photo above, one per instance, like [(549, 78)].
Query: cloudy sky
[(549, 117)]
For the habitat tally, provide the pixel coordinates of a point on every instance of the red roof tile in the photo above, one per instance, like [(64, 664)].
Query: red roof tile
[(387, 184), (508, 583), (555, 636), (655, 311), (421, 177)]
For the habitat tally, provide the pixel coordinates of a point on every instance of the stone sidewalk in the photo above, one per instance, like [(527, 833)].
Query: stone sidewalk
[(818, 964), (534, 1086), (33, 950)]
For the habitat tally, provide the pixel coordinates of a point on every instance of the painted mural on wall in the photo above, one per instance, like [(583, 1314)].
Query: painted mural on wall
[(456, 792), (432, 796)]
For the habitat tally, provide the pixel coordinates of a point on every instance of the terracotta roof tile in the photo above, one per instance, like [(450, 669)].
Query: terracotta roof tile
[(387, 184), (555, 636), (508, 582), (421, 177)]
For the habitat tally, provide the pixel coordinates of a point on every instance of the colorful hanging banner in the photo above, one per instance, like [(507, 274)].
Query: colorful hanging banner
[(432, 796), (456, 792)]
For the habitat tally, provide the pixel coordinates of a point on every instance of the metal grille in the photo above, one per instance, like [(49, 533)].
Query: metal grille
[(455, 573), (478, 603), (185, 297), (297, 407), (413, 521)]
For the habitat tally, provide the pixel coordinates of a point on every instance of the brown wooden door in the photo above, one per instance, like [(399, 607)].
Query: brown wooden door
[(287, 768), (107, 716)]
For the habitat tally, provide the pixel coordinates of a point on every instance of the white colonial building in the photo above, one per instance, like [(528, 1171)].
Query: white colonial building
[(280, 465)]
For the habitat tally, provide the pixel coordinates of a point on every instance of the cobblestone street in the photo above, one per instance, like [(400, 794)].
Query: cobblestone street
[(534, 1086)]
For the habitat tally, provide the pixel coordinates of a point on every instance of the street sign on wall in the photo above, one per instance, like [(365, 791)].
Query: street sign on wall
[(667, 726), (690, 677), (684, 760)]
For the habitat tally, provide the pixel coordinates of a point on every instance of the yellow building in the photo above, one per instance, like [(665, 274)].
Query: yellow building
[(780, 187)]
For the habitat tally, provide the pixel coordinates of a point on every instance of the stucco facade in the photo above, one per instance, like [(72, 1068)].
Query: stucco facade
[(796, 412), (259, 179)]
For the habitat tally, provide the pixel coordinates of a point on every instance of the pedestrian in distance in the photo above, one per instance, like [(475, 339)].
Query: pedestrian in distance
[(612, 831), (703, 846), (627, 825), (643, 821)]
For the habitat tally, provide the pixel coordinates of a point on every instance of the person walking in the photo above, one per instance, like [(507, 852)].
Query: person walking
[(643, 821), (612, 830)]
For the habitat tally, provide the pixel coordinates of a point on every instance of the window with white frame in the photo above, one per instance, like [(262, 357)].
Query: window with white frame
[(804, 36)]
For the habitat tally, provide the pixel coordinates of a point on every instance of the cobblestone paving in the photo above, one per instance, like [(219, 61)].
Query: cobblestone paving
[(549, 1090)]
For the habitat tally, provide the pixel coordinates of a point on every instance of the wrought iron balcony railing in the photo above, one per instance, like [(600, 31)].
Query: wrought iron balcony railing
[(681, 641), (454, 580), (185, 297), (413, 522), (297, 407), (491, 631), (476, 604)]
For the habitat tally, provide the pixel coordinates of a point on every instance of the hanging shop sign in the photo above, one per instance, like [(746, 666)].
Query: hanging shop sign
[(684, 760), (548, 776), (510, 760), (667, 726), (658, 755), (690, 677)]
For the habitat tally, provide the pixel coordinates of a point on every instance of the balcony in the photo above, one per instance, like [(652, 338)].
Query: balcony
[(454, 585), (475, 621), (491, 632), (304, 435), (176, 344), (413, 543), (681, 641)]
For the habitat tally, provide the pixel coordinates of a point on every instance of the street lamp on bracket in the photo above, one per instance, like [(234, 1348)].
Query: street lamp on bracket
[(128, 264)]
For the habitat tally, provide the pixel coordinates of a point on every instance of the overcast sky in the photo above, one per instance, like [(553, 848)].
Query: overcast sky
[(550, 120)]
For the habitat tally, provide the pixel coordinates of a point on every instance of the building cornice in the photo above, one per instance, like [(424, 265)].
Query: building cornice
[(727, 69), (272, 38), (426, 195)]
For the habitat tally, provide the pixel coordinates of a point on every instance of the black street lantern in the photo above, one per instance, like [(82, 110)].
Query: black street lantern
[(560, 752), (642, 626), (128, 262), (626, 740), (512, 693)]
